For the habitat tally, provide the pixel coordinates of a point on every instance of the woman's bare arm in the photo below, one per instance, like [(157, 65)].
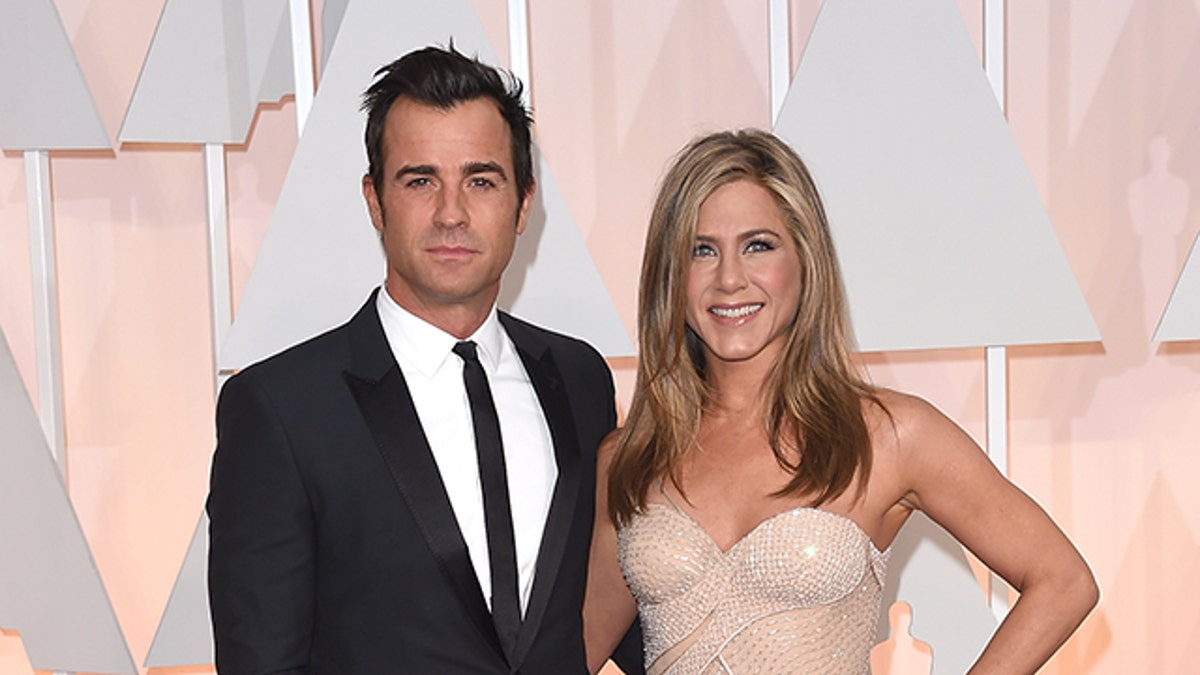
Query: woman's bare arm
[(953, 482), (608, 607)]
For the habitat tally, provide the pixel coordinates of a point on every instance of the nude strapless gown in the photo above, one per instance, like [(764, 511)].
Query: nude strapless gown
[(798, 594)]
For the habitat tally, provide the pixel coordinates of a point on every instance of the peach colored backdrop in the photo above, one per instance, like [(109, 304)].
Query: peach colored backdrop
[(1103, 101)]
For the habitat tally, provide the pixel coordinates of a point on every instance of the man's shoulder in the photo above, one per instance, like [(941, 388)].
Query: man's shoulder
[(321, 353), (329, 349), (528, 335)]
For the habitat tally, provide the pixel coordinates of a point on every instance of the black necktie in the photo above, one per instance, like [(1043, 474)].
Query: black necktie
[(502, 551)]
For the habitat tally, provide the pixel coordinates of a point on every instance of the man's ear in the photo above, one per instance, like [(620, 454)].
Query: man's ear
[(372, 200), (526, 205)]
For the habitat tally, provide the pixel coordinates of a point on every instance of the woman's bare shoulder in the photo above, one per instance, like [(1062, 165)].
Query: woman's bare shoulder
[(901, 414), (905, 427), (607, 450), (920, 441), (911, 441)]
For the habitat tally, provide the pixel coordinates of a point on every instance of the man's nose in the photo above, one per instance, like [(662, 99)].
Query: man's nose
[(451, 208)]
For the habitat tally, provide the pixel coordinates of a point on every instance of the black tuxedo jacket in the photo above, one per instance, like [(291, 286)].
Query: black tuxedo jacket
[(333, 545)]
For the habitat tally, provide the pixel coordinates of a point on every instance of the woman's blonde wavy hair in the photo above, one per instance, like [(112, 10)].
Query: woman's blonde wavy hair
[(814, 395)]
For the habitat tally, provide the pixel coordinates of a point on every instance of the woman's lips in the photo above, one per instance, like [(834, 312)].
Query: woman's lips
[(736, 313)]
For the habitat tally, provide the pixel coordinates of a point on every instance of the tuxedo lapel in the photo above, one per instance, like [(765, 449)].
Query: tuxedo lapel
[(547, 382), (387, 408)]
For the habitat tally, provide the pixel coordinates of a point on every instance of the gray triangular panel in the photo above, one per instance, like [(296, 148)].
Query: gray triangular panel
[(943, 239), (184, 636), (50, 590), (209, 66), (553, 280), (1181, 318), (321, 257), (928, 570), (46, 104), (277, 71), (331, 23)]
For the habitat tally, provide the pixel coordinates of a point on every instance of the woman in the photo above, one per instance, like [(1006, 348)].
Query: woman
[(746, 507)]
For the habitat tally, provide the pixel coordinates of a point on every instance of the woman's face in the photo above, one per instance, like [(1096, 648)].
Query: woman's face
[(743, 288)]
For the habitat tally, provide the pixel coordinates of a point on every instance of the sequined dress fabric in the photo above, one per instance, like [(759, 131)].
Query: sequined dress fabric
[(798, 594)]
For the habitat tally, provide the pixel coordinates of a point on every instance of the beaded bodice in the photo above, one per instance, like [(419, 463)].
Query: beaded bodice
[(799, 594)]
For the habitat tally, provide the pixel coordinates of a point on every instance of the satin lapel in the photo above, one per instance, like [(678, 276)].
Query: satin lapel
[(386, 405), (547, 382)]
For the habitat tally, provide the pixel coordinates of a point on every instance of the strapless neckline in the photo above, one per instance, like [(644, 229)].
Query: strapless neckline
[(799, 592), (762, 525)]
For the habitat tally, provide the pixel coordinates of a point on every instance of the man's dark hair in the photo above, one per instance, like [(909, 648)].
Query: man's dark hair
[(445, 78)]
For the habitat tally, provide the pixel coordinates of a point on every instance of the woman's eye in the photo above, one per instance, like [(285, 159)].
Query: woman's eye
[(759, 245), (702, 251)]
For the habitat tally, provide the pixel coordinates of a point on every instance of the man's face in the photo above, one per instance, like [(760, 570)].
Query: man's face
[(447, 209)]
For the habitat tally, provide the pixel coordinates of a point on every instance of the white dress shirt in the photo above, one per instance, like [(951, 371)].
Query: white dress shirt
[(435, 379)]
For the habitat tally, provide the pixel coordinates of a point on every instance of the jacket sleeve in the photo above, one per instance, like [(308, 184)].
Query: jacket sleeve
[(261, 539)]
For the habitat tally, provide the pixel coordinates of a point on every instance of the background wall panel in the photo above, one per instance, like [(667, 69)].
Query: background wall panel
[(1101, 435)]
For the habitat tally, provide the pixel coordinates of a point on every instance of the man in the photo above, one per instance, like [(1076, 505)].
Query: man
[(413, 491)]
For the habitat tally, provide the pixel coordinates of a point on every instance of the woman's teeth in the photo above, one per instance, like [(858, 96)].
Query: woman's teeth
[(735, 312)]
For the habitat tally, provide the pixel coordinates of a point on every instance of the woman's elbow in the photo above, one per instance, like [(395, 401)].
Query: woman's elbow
[(1077, 587), (1089, 590)]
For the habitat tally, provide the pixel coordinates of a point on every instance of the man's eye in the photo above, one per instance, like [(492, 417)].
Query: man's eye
[(482, 181), (419, 181)]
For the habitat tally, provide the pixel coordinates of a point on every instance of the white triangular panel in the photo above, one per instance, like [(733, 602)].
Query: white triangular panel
[(928, 570), (46, 104), (50, 589), (942, 237), (184, 636), (1181, 318), (209, 66), (321, 257)]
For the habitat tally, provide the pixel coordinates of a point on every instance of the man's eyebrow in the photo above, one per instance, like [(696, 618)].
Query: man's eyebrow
[(472, 168), (416, 169)]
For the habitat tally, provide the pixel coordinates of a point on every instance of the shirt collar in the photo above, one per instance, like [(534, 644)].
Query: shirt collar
[(426, 347)]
